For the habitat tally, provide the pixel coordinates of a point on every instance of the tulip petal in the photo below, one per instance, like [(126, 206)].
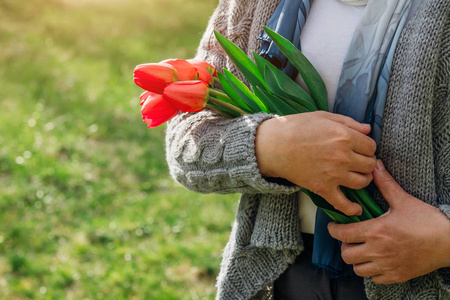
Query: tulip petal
[(204, 75), (144, 96), (185, 70), (202, 65), (154, 77), (156, 111), (187, 96)]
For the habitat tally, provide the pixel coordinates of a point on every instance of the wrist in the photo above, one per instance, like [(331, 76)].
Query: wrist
[(444, 238), (447, 245), (264, 147)]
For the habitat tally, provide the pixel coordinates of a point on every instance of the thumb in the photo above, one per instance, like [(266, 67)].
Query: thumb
[(386, 184)]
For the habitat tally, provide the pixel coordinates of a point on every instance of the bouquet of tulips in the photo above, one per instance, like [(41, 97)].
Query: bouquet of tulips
[(190, 85)]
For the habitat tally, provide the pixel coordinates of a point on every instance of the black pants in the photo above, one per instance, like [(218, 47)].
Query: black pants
[(302, 280)]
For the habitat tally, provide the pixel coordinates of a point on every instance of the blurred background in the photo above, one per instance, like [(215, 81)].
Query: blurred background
[(87, 207)]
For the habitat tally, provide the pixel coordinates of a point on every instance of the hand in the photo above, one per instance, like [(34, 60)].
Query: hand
[(410, 240), (319, 151)]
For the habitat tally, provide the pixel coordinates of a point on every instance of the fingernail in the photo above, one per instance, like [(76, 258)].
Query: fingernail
[(380, 165)]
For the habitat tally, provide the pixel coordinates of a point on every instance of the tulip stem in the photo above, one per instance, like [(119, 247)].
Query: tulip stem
[(211, 106), (217, 93), (226, 104), (215, 79)]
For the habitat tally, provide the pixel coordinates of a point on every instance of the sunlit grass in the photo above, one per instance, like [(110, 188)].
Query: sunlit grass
[(87, 208)]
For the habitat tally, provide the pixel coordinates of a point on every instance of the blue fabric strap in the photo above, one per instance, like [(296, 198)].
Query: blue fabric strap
[(288, 20)]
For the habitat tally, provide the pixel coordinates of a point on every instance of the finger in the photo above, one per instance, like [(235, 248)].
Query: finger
[(388, 187), (349, 122), (362, 163), (367, 269), (349, 233), (363, 144), (356, 181), (341, 203), (355, 253)]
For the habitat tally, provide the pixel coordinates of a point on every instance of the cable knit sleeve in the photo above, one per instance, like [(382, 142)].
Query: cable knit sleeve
[(206, 152), (210, 154)]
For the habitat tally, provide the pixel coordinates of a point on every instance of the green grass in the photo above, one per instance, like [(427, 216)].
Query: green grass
[(87, 208)]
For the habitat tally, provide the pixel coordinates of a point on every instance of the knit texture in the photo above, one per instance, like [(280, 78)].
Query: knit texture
[(416, 132), (210, 154), (445, 209)]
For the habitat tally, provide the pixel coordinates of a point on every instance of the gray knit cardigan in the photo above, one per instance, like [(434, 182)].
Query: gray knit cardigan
[(210, 154)]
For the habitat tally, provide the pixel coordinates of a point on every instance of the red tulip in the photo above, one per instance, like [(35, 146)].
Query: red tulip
[(203, 75), (185, 71), (154, 77), (144, 96), (187, 96), (200, 64), (156, 111)]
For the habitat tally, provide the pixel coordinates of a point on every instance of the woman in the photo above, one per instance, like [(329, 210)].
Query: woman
[(405, 253)]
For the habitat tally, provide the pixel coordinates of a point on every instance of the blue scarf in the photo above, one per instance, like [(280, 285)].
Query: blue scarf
[(288, 20), (362, 86)]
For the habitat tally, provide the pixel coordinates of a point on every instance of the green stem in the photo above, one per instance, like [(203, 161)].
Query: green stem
[(226, 104), (218, 93), (218, 111), (215, 79)]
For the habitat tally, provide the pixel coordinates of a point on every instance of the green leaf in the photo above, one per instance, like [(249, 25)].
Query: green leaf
[(268, 102), (327, 207), (293, 90), (261, 62), (241, 60), (319, 201), (275, 88), (297, 107), (253, 102), (272, 82), (289, 87), (339, 218), (229, 90), (275, 104), (309, 74), (352, 196), (369, 202)]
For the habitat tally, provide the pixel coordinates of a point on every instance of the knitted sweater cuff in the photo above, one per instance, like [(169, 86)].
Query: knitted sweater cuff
[(210, 154), (445, 208)]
